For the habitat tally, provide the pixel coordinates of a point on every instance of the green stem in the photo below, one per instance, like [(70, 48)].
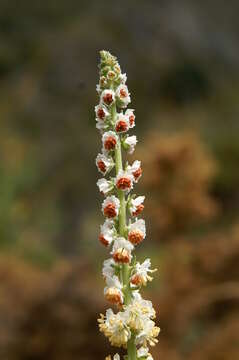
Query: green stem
[(132, 352), (125, 275), (122, 228)]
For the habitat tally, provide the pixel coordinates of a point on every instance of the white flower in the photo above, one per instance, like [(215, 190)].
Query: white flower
[(104, 186), (141, 276), (110, 206), (114, 327), (107, 232), (138, 312), (101, 112), (136, 205), (98, 89), (107, 97), (146, 305), (144, 352), (108, 268), (124, 180), (101, 125), (113, 282), (122, 123), (109, 140), (104, 163), (116, 357), (113, 290), (117, 68), (122, 78), (130, 143), (121, 250), (137, 231), (148, 334), (136, 170), (123, 95), (120, 243), (130, 114), (135, 317)]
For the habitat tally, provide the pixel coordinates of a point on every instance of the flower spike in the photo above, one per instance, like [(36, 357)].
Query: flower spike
[(133, 326)]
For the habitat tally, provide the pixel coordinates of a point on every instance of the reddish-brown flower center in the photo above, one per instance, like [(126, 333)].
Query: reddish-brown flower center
[(137, 173), (101, 113), (110, 210), (121, 126), (136, 279), (123, 183), (138, 210), (108, 98), (103, 240), (123, 93), (110, 143), (101, 165), (135, 236), (113, 296), (121, 255)]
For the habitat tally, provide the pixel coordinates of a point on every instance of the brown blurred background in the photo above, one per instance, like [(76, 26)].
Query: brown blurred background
[(182, 61)]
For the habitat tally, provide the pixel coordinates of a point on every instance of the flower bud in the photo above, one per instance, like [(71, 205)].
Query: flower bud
[(103, 81), (110, 206), (104, 163), (107, 232), (104, 186), (111, 75), (108, 97), (114, 296), (122, 95), (122, 255), (137, 232), (136, 170), (136, 280), (130, 114), (122, 123), (129, 143), (101, 112), (109, 140), (124, 180), (136, 205)]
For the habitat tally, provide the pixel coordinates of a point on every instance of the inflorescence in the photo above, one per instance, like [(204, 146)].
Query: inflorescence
[(133, 326)]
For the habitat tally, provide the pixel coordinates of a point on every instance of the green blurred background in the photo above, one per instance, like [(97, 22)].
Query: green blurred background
[(182, 62)]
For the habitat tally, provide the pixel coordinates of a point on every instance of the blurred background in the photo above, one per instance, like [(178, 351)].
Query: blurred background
[(182, 62)]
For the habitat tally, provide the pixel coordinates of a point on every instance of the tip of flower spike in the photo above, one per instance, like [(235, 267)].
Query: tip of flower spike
[(108, 62), (106, 56)]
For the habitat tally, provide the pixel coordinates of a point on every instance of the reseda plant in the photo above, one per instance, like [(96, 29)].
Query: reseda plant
[(132, 327)]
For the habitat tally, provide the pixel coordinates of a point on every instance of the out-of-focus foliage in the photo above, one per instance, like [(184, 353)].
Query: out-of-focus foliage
[(177, 174), (49, 315), (199, 288), (182, 60), (199, 298)]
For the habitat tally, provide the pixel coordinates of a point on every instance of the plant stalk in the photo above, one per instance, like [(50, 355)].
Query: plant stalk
[(132, 352)]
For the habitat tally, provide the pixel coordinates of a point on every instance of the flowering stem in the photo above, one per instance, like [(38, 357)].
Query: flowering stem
[(133, 323), (132, 352)]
